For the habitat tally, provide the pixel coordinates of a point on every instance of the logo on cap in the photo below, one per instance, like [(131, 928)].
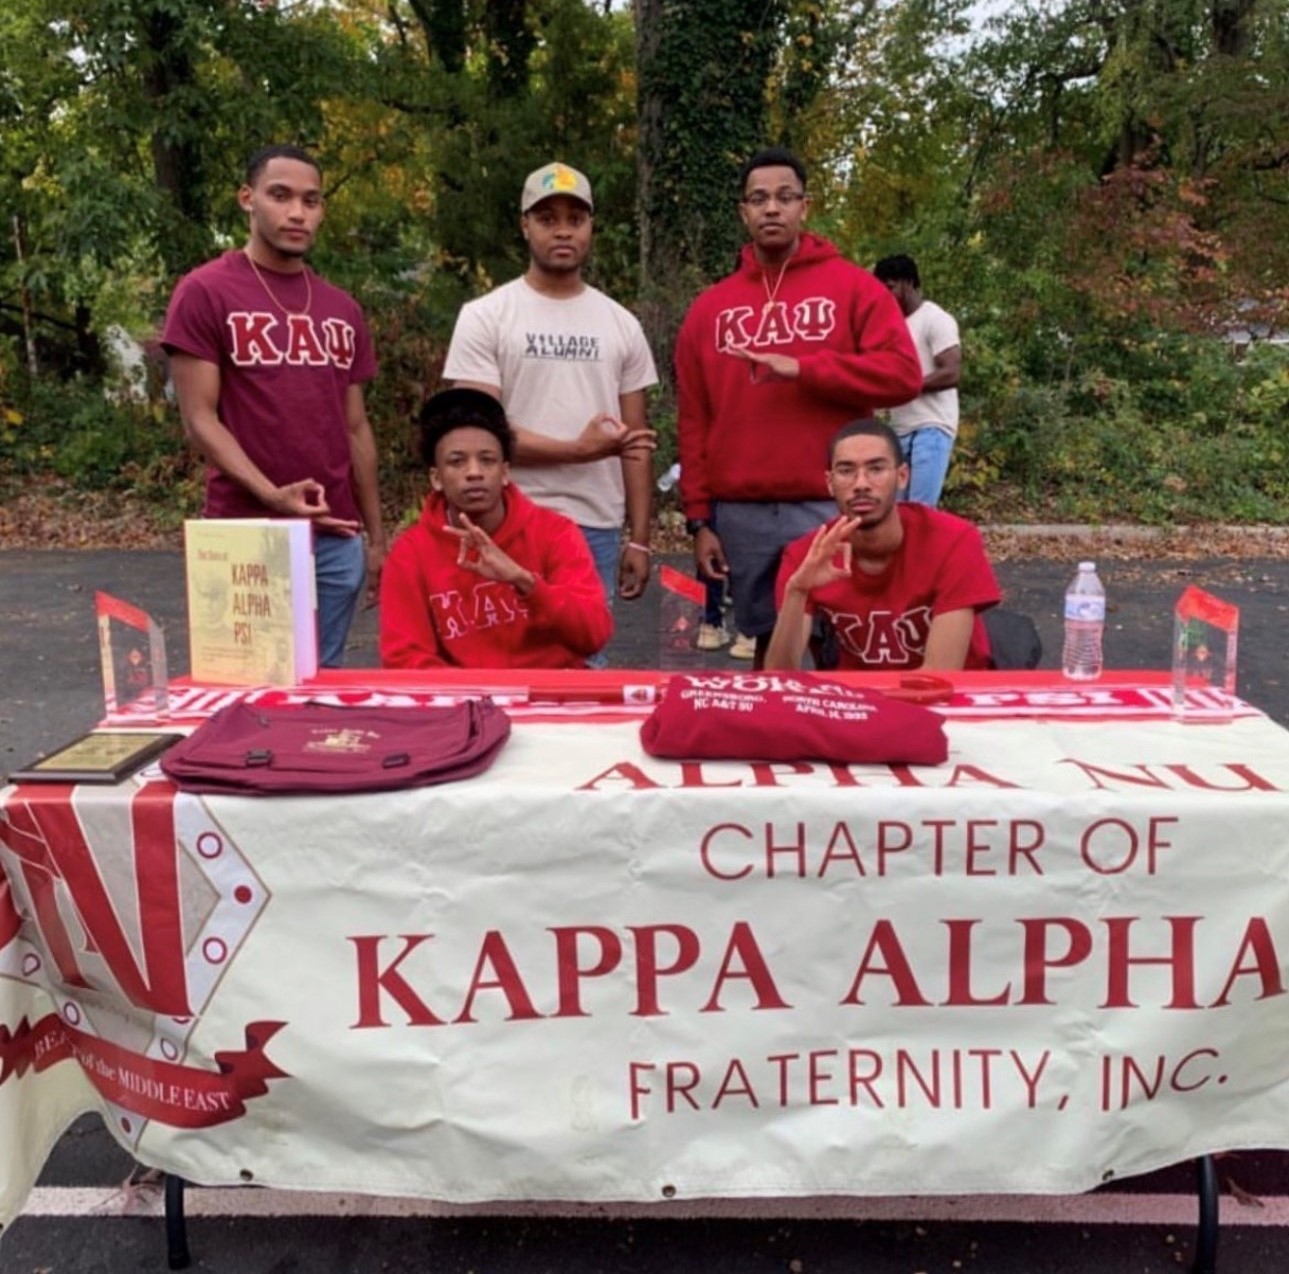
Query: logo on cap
[(559, 180), (555, 179)]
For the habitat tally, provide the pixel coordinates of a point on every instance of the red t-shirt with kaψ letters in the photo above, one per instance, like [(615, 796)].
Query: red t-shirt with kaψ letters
[(882, 620), (288, 348)]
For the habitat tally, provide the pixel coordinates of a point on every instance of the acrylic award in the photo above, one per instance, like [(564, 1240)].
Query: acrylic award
[(1205, 639), (680, 612), (132, 649)]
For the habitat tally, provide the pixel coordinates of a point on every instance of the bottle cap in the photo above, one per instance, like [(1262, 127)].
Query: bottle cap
[(1087, 566)]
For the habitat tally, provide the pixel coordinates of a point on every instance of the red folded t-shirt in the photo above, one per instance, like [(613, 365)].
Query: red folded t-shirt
[(789, 716)]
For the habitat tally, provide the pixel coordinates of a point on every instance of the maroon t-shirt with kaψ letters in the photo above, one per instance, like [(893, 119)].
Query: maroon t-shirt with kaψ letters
[(288, 348)]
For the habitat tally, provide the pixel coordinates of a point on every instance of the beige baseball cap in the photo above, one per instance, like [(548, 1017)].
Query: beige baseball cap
[(555, 179)]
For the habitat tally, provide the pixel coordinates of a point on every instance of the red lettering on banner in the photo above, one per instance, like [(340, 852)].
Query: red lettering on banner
[(884, 956), (635, 1084), (1250, 779), (794, 851), (819, 1077), (752, 969), (960, 963), (766, 773), (1179, 959), (964, 775), (1111, 845), (973, 847), (10, 920), (372, 980), (648, 969), (626, 772), (571, 972), (495, 954), (1258, 944), (682, 1079), (629, 775), (705, 852), (1142, 775), (735, 1083), (933, 1078), (848, 854), (1132, 1080), (180, 1096), (1042, 950), (29, 1047), (901, 841), (42, 829), (1037, 959), (691, 775)]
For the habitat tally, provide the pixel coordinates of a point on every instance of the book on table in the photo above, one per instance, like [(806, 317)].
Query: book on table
[(252, 613)]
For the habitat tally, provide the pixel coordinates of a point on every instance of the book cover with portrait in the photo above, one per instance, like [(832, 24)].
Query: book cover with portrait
[(252, 615)]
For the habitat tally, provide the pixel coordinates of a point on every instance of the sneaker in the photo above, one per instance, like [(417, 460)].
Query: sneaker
[(743, 647), (711, 637)]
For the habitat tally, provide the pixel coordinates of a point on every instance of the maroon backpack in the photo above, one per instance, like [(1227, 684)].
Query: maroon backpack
[(313, 747)]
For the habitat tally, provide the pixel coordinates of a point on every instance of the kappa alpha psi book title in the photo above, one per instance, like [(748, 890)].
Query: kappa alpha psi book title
[(251, 605)]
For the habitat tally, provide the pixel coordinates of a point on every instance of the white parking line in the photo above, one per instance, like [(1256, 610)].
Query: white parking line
[(1085, 1209)]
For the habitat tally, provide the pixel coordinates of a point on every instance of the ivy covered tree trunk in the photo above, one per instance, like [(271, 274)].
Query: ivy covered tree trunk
[(176, 105), (703, 69)]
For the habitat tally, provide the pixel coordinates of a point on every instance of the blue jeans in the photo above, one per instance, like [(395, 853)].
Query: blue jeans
[(926, 452), (339, 568), (605, 543)]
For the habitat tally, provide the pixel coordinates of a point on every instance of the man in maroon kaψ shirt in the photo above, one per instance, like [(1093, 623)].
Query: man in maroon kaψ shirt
[(268, 362)]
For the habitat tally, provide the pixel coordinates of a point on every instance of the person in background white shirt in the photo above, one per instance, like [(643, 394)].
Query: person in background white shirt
[(928, 425)]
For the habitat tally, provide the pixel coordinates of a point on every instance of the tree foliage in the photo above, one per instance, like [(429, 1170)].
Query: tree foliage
[(1097, 189)]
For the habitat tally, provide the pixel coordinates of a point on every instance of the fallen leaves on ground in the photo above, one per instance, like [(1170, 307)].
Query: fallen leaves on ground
[(54, 516)]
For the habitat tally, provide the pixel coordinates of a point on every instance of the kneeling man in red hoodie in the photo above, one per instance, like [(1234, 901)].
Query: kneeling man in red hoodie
[(486, 578)]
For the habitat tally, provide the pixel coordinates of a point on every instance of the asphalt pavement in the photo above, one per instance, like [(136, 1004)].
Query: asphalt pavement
[(49, 671)]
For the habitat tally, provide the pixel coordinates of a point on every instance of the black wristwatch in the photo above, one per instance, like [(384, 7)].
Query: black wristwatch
[(694, 525)]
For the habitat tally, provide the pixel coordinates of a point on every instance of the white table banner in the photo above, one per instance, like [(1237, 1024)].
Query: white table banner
[(1059, 958)]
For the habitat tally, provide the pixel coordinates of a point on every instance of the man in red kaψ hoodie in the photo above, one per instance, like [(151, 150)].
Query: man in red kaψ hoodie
[(486, 578), (770, 363)]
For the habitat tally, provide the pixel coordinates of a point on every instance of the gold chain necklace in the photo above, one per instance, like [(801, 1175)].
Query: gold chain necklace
[(771, 292), (308, 290)]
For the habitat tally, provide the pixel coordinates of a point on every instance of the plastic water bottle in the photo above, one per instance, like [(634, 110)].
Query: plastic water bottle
[(669, 479), (1084, 624)]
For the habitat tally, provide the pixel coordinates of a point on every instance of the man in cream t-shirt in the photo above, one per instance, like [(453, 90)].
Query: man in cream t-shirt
[(571, 367), (928, 425)]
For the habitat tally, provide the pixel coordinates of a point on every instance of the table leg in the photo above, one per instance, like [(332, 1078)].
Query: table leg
[(176, 1225), (1206, 1235)]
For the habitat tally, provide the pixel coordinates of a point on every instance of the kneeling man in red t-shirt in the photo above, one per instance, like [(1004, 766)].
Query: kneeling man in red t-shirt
[(486, 578), (902, 584)]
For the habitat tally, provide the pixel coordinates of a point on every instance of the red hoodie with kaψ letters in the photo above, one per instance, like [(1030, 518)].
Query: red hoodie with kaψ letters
[(438, 614), (745, 434)]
